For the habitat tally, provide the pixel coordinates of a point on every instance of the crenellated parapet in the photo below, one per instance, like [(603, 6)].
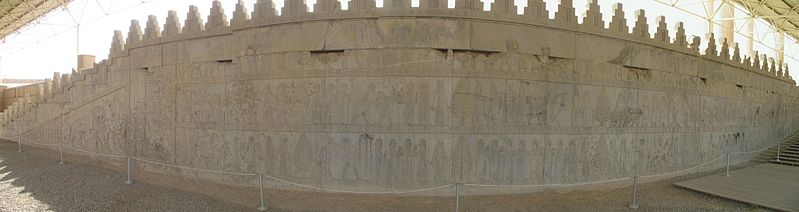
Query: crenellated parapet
[(56, 86), (592, 18), (265, 9), (535, 13), (153, 29), (134, 32), (361, 5), (423, 4), (66, 81), (499, 6), (565, 14), (711, 50), (462, 5), (618, 23), (641, 28), (217, 18), (172, 26), (240, 15), (194, 21), (117, 43), (662, 32), (48, 87)]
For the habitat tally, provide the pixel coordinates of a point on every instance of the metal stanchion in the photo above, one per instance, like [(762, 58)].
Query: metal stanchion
[(727, 173), (778, 151), (129, 180), (19, 143), (261, 189), (61, 153), (634, 203), (457, 197)]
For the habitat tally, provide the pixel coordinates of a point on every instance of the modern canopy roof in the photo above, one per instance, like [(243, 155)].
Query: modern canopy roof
[(781, 14), (15, 14)]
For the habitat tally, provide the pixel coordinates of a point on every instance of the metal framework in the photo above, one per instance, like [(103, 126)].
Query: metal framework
[(15, 14), (780, 16)]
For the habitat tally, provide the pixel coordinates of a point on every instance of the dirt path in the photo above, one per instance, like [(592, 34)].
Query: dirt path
[(33, 181)]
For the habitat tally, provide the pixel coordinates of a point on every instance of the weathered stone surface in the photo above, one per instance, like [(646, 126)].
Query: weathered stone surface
[(358, 100)]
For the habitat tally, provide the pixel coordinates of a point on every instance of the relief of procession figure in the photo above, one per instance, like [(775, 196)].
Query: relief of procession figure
[(339, 99)]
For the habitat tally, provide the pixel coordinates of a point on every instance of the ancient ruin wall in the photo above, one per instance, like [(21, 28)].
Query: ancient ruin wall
[(398, 98)]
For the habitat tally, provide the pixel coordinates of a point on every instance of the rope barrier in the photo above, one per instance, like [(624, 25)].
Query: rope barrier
[(395, 192), (356, 192), (387, 192), (398, 192), (680, 171), (40, 144), (191, 168), (95, 153), (548, 185), (270, 177), (764, 149), (596, 182)]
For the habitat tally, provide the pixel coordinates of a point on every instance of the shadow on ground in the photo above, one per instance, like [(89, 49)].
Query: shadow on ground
[(29, 181)]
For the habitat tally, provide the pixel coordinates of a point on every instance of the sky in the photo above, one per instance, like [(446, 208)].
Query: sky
[(51, 45)]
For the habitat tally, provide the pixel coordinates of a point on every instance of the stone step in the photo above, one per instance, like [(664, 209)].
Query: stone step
[(789, 159), (794, 156), (789, 151), (785, 162)]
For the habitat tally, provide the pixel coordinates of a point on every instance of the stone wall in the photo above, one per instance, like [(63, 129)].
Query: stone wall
[(18, 93), (398, 98)]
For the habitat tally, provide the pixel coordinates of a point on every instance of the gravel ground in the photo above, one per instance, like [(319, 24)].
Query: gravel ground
[(31, 182), (34, 181)]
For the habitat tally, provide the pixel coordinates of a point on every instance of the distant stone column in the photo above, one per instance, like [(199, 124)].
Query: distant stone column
[(710, 10), (66, 81), (3, 96), (726, 11)]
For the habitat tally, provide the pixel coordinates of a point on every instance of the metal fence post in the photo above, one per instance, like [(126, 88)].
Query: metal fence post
[(261, 189), (19, 143), (61, 153), (457, 197), (778, 151), (634, 203), (129, 180), (727, 172)]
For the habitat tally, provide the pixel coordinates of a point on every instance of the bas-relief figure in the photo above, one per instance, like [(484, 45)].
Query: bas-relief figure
[(412, 102)]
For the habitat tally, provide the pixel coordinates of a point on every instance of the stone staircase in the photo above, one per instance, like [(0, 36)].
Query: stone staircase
[(788, 152)]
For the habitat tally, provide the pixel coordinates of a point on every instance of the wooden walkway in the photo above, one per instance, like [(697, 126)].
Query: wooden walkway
[(768, 185)]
